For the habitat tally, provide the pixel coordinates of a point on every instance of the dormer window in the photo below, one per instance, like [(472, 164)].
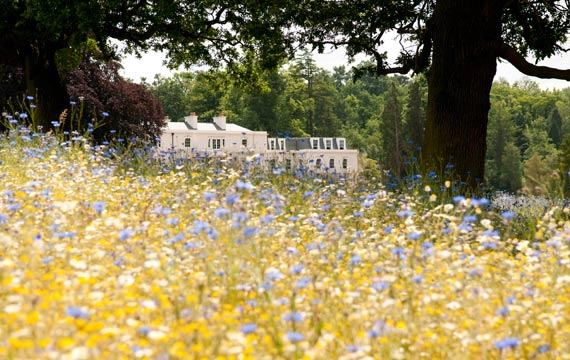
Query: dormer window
[(282, 144), (328, 144), (341, 144), (271, 144), (315, 144)]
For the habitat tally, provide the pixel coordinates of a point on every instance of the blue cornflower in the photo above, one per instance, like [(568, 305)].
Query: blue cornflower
[(479, 202), (266, 219), (405, 213), (125, 234), (297, 269), (249, 231), (418, 279), (446, 230), (161, 210), (353, 348), (308, 194), (294, 336), (232, 199), (173, 221), (458, 198), (507, 343), (76, 313), (302, 283), (399, 251), (248, 328), (176, 238), (380, 285), (355, 260), (503, 311), (209, 196), (273, 275), (470, 218), (199, 226), (63, 235), (105, 114), (99, 206), (243, 185), (221, 212), (14, 207), (544, 348), (414, 236), (294, 316), (143, 330), (508, 215)]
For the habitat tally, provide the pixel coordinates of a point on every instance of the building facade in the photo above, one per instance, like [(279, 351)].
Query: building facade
[(220, 138), (217, 138)]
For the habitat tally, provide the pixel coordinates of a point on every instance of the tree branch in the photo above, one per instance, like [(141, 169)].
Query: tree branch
[(518, 61)]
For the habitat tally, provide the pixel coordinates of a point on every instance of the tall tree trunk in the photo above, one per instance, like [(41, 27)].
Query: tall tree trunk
[(460, 80), (43, 80)]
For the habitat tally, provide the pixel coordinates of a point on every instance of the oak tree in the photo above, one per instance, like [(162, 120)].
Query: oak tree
[(457, 43), (40, 38)]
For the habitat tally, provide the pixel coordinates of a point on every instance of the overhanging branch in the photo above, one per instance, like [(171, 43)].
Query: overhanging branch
[(518, 61)]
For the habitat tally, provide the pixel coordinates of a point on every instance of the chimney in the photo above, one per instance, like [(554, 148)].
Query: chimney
[(192, 120), (220, 121)]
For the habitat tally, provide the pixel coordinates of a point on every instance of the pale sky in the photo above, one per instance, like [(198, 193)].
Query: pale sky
[(152, 63)]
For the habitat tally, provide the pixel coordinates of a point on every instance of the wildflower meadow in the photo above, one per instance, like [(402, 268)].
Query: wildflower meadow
[(109, 252)]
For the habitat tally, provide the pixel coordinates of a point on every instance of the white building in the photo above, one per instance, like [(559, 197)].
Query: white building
[(222, 139), (318, 154), (217, 138)]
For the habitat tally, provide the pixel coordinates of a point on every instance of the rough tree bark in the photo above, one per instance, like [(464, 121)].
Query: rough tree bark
[(464, 34), (44, 81)]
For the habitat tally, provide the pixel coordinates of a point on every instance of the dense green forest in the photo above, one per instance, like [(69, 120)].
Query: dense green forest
[(528, 145)]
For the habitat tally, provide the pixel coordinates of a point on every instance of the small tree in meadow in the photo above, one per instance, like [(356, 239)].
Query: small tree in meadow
[(126, 108)]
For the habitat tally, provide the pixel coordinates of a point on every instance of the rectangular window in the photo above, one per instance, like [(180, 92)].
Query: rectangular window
[(345, 163), (215, 144), (318, 163), (341, 144), (272, 164), (244, 142), (331, 163), (187, 142), (328, 144), (288, 164), (315, 144), (271, 144)]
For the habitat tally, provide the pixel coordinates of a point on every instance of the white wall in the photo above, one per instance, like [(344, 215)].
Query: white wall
[(309, 159), (229, 141)]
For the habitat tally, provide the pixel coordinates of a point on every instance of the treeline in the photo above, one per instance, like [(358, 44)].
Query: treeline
[(383, 117)]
